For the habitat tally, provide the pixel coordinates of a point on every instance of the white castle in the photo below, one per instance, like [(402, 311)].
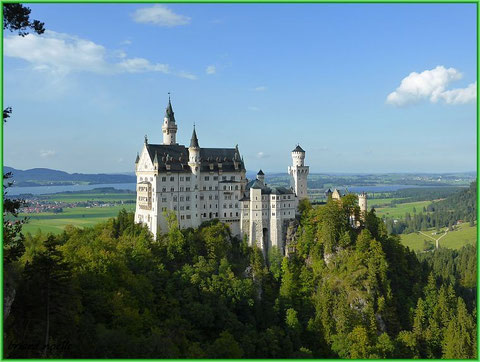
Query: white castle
[(201, 184)]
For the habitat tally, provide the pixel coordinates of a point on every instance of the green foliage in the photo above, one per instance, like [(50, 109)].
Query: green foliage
[(347, 292)]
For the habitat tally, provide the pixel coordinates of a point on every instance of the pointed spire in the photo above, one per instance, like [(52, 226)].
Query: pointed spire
[(169, 111), (155, 160), (138, 158), (146, 140), (194, 139)]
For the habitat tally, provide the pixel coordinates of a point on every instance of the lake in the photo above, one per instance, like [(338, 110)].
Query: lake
[(40, 190)]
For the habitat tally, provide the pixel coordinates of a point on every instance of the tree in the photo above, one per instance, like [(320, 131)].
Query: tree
[(16, 18)]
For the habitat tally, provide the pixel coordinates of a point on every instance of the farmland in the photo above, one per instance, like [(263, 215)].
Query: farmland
[(456, 239)]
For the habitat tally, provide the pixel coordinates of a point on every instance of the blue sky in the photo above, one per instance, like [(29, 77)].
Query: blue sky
[(336, 78)]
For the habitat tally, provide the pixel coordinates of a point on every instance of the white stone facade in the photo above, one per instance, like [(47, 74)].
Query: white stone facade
[(201, 184)]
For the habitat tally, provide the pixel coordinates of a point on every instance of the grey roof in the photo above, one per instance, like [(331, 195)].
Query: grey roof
[(298, 149), (194, 139), (177, 157), (169, 111), (260, 173), (266, 190), (137, 159)]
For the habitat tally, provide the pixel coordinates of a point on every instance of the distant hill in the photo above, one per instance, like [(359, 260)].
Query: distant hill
[(46, 176)]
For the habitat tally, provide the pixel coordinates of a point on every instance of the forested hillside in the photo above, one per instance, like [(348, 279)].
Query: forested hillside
[(460, 206), (112, 291)]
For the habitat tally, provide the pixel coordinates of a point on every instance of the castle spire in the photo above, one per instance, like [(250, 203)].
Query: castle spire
[(194, 139), (169, 127)]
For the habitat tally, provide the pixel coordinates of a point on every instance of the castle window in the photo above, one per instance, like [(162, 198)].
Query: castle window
[(164, 179), (172, 178), (224, 206), (204, 188), (187, 189), (232, 178), (181, 198), (182, 217), (201, 197), (230, 214), (224, 214), (216, 197), (215, 178), (224, 178), (187, 178), (273, 214), (188, 217), (164, 199), (164, 189), (206, 178), (273, 206), (164, 209), (187, 198), (224, 187), (181, 207), (175, 208), (174, 198), (216, 188), (210, 197), (181, 188), (172, 189), (236, 187), (236, 205), (216, 214), (187, 207), (237, 213)]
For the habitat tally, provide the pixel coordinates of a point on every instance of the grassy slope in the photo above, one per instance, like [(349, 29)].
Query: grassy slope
[(78, 216), (401, 209), (92, 197), (453, 240)]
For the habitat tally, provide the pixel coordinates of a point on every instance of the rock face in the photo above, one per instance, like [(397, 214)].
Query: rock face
[(291, 236)]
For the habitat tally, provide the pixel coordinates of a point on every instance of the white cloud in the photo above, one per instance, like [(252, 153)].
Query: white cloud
[(431, 85), (260, 88), (159, 15), (211, 69), (186, 75), (262, 155), (253, 108), (460, 95), (47, 153), (61, 54)]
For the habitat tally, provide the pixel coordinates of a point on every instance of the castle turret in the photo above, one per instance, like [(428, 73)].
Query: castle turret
[(194, 153), (299, 173), (169, 127), (362, 203), (261, 176)]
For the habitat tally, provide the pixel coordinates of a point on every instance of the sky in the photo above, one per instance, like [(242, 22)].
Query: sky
[(361, 87)]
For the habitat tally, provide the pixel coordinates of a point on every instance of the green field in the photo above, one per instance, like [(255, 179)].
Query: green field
[(400, 209), (77, 216), (453, 240)]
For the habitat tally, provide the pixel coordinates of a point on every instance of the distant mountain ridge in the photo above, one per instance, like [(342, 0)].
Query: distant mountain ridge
[(46, 176)]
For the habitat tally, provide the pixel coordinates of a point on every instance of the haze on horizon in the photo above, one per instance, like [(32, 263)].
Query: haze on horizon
[(363, 88)]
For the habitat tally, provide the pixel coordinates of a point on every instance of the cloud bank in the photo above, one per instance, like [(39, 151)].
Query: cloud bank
[(62, 54), (431, 85), (159, 15)]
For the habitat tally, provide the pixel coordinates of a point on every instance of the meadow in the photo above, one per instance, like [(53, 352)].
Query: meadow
[(49, 222), (399, 210), (456, 239)]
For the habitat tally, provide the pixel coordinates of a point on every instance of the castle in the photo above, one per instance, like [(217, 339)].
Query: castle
[(200, 184)]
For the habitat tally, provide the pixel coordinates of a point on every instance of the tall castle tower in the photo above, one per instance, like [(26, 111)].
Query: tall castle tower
[(169, 127), (299, 172), (362, 203)]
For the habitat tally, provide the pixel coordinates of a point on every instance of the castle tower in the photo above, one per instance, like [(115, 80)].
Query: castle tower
[(362, 203), (299, 173), (194, 153), (169, 127), (261, 176)]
